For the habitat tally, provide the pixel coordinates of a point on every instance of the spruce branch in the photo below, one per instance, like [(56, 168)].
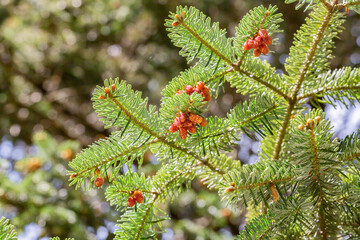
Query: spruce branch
[(309, 57)]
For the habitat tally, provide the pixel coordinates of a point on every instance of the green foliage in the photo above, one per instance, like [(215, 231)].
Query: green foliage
[(6, 230), (57, 238), (336, 86), (212, 51), (305, 179), (251, 182), (329, 26)]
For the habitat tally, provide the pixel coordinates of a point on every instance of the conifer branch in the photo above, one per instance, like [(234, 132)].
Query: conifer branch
[(259, 80), (133, 118), (344, 5), (316, 178), (142, 190), (235, 66), (327, 89), (219, 75), (349, 158), (157, 194), (243, 123), (326, 4), (114, 157), (162, 138), (204, 42), (266, 183), (301, 79)]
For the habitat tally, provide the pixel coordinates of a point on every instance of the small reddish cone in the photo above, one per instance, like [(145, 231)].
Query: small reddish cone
[(264, 49), (192, 129), (107, 90), (317, 118), (259, 40), (175, 23), (173, 128), (253, 44), (99, 182), (301, 127), (207, 97), (200, 85), (131, 201), (113, 87), (203, 122), (97, 171), (206, 90), (177, 122), (267, 40), (257, 52), (187, 124), (183, 133), (179, 91), (138, 196), (195, 118), (197, 90), (72, 176), (182, 117), (229, 189), (263, 33), (246, 46), (102, 97), (189, 89)]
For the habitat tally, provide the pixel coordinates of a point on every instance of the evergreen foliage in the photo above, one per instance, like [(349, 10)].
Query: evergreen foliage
[(6, 230), (306, 182)]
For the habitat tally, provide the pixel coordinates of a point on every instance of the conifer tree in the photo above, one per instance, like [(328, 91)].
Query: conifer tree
[(306, 182)]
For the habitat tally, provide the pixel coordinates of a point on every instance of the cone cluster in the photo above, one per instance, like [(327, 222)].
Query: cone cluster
[(135, 196), (186, 122), (259, 43), (200, 88)]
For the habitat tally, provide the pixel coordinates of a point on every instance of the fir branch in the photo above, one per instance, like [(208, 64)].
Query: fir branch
[(219, 75), (204, 42), (326, 4), (7, 230), (133, 118), (156, 195), (265, 183), (309, 57), (326, 90), (344, 5), (316, 178), (261, 81), (124, 153), (349, 158), (162, 138)]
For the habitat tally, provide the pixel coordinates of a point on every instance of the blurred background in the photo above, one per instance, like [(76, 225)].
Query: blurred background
[(52, 55)]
